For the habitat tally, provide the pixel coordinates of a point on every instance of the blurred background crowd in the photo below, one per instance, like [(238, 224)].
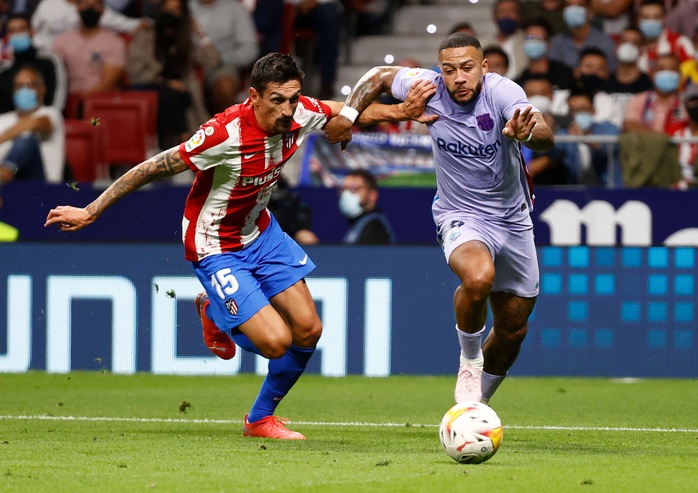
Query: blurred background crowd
[(616, 79)]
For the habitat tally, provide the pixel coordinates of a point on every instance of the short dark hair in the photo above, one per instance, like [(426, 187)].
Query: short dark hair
[(460, 40), (581, 91), (495, 50), (659, 3), (276, 68), (592, 50), (538, 22), (367, 176), (20, 15)]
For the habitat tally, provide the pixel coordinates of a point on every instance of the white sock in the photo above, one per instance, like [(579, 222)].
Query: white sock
[(470, 344), (490, 383)]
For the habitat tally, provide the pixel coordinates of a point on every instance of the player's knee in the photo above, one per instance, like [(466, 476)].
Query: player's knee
[(478, 286), (514, 334), (308, 334), (275, 347)]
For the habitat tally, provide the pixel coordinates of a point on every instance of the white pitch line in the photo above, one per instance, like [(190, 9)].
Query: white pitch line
[(347, 424)]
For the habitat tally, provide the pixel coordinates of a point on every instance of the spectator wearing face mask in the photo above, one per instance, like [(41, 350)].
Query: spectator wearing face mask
[(95, 57), (509, 37), (23, 52), (545, 167), (587, 163), (567, 46), (32, 136), (537, 48), (659, 110), (550, 10), (628, 79), (358, 202), (593, 75), (688, 152), (55, 17), (657, 39)]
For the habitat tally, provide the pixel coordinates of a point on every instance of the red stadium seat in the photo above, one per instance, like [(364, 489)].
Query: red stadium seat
[(84, 150), (129, 122)]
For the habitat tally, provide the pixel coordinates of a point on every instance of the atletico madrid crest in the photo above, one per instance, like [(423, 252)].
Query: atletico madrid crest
[(232, 306)]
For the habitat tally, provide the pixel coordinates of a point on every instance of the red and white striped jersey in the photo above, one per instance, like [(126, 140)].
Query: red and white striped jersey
[(237, 164), (668, 42)]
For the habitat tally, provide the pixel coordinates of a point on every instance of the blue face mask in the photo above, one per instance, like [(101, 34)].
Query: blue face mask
[(20, 42), (535, 48), (574, 16), (651, 28), (25, 99), (584, 120), (666, 80), (350, 204), (507, 25)]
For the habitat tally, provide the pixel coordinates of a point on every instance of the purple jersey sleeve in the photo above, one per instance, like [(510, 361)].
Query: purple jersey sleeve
[(406, 77), (509, 96)]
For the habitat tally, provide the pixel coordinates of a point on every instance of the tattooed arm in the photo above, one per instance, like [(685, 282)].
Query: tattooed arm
[(367, 90), (165, 164)]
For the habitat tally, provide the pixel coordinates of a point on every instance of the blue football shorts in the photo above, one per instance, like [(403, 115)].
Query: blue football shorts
[(240, 283), (513, 252)]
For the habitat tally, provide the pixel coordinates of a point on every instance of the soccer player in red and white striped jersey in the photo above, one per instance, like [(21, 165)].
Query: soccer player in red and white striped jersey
[(252, 272)]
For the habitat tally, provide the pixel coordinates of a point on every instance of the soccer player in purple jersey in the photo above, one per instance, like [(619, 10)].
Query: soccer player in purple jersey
[(483, 200)]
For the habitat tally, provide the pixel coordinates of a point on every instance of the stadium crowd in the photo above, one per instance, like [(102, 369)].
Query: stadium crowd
[(593, 68)]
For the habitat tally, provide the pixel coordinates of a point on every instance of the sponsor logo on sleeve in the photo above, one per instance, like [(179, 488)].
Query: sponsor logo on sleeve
[(414, 72), (196, 140)]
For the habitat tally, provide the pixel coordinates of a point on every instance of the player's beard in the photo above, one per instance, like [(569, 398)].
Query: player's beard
[(473, 95), (283, 125)]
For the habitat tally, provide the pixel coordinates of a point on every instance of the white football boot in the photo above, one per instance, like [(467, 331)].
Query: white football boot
[(468, 385)]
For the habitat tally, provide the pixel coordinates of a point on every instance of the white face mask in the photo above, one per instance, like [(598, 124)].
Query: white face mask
[(628, 53), (542, 103), (350, 204)]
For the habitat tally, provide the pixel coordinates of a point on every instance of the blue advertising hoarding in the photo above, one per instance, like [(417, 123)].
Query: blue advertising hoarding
[(562, 215), (603, 311)]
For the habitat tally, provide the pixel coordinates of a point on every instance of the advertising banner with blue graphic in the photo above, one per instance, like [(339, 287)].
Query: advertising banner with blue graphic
[(602, 311), (562, 216)]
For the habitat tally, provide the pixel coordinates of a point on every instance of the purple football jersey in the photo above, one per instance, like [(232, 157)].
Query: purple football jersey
[(478, 170)]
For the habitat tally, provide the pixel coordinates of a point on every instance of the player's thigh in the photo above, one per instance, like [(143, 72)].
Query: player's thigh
[(234, 293), (472, 263), (297, 307), (469, 250), (268, 331), (516, 264)]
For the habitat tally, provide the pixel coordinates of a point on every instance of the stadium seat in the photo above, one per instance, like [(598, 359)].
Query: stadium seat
[(84, 150), (129, 122)]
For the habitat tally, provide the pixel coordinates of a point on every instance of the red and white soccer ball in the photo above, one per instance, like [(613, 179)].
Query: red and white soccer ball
[(471, 432)]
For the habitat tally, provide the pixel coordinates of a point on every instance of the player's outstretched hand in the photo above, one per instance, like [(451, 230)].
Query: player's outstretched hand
[(416, 101), (69, 218), (338, 129), (521, 125)]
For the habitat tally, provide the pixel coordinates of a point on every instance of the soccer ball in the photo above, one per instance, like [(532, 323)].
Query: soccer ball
[(471, 432)]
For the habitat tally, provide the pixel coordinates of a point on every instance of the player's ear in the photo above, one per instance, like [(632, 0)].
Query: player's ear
[(254, 95), (485, 65)]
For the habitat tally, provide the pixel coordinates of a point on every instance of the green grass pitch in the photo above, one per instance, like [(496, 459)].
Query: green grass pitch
[(111, 433)]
